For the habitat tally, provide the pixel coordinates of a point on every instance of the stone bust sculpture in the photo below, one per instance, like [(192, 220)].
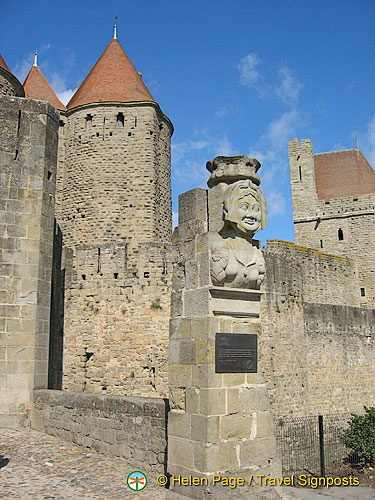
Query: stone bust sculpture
[(235, 261)]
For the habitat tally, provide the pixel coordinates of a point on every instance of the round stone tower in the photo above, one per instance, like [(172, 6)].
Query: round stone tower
[(116, 166), (9, 85)]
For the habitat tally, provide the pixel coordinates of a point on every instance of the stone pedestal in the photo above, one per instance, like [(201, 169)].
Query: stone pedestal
[(220, 423)]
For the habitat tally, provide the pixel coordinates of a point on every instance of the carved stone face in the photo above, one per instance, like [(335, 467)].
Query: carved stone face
[(243, 209), (248, 216)]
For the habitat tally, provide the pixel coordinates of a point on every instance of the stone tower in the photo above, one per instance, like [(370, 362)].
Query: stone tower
[(113, 206), (334, 207), (28, 151), (114, 184)]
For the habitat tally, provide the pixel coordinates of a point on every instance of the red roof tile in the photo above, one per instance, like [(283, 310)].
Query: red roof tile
[(112, 79), (3, 63), (343, 173), (37, 87)]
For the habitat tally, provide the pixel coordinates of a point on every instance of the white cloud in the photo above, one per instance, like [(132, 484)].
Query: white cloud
[(286, 89), (189, 158), (22, 69), (281, 130), (249, 74), (59, 86), (276, 204), (289, 88), (223, 147), (222, 111)]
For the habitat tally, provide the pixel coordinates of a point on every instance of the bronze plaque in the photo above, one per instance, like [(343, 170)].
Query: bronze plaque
[(235, 353)]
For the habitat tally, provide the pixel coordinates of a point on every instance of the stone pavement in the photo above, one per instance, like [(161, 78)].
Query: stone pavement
[(40, 467)]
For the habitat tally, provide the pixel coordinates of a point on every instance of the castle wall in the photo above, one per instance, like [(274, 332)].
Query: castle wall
[(28, 147), (356, 219), (340, 358), (116, 176), (121, 426), (342, 226), (317, 349), (324, 278), (117, 307)]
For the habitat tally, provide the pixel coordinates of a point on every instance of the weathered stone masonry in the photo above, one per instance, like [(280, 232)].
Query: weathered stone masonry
[(28, 149), (122, 426)]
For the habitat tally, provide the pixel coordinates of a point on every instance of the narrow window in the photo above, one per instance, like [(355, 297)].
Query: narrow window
[(135, 121), (340, 234), (83, 276), (115, 275), (120, 119), (300, 172), (49, 174), (363, 292), (298, 157), (321, 243), (88, 121)]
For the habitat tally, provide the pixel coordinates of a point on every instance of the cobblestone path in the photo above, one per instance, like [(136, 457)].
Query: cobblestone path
[(40, 467), (36, 466)]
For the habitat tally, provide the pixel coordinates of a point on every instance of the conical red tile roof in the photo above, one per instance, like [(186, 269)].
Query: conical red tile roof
[(37, 87), (3, 64), (112, 79)]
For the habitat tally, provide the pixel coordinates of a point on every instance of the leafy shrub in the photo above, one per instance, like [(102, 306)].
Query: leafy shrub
[(360, 436)]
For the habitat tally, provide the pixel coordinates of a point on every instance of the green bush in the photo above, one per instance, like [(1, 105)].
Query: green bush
[(360, 436)]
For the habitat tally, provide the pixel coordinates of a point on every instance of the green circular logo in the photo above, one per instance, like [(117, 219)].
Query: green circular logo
[(137, 480)]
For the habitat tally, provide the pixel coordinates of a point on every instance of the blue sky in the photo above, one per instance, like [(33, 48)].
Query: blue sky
[(235, 77)]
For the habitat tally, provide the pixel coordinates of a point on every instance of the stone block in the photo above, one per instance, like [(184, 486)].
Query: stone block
[(205, 376), (192, 400), (204, 327), (180, 328), (180, 375), (205, 354), (180, 452), (179, 424), (205, 428), (196, 302), (233, 379), (264, 424), (257, 452), (191, 274), (235, 426), (215, 457), (254, 399), (192, 205), (212, 401), (204, 276)]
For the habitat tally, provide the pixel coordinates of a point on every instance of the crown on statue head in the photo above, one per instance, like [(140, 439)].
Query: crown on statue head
[(232, 168)]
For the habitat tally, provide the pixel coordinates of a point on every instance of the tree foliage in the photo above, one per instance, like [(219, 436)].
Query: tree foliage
[(360, 436)]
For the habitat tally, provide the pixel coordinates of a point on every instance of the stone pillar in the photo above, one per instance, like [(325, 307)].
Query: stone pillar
[(220, 427), (28, 150)]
